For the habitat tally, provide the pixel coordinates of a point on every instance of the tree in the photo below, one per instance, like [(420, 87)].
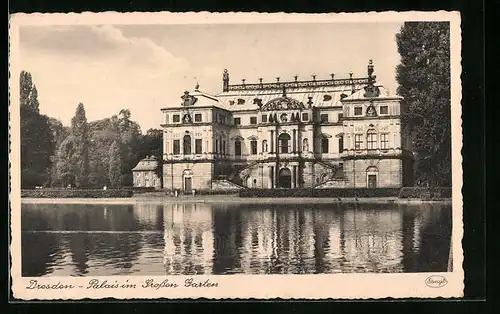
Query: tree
[(152, 144), (130, 140), (67, 157), (80, 131), (37, 143), (115, 167), (424, 83)]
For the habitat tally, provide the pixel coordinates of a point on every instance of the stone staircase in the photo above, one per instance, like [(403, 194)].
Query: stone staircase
[(226, 185)]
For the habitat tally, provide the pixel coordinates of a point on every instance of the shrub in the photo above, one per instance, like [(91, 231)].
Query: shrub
[(345, 192), (425, 193), (138, 190), (205, 192), (74, 193)]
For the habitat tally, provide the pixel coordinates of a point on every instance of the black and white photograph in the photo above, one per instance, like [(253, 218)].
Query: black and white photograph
[(205, 150)]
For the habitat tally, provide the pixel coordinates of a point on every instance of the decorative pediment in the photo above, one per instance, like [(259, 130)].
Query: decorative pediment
[(237, 138), (283, 103), (371, 91), (187, 118), (371, 111), (324, 135), (188, 100), (252, 138)]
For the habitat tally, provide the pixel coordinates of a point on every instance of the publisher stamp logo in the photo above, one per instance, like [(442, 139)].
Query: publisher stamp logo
[(436, 281)]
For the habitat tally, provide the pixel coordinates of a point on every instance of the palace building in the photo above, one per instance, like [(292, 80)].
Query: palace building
[(332, 133)]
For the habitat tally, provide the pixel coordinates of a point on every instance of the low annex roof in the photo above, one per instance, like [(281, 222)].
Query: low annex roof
[(146, 164)]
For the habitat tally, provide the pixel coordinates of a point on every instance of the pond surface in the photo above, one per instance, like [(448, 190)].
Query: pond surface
[(197, 238)]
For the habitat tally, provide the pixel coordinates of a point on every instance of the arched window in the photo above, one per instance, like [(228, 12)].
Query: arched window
[(371, 139), (284, 143), (186, 144), (264, 146), (305, 145)]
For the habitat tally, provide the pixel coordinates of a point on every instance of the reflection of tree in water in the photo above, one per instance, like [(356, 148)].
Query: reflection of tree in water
[(119, 250), (39, 251), (435, 240)]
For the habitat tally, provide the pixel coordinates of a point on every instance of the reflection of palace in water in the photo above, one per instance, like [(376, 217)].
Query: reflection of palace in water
[(189, 243), (203, 240)]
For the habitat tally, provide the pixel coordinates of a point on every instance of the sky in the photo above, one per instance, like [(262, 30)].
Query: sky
[(144, 68)]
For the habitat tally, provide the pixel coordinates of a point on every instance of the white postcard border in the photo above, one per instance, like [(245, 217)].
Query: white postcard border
[(334, 286)]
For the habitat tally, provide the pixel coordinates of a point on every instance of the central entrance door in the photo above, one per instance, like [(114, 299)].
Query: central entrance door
[(188, 184), (285, 178), (372, 181)]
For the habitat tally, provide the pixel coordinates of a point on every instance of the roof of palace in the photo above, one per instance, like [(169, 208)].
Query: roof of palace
[(324, 93), (146, 164)]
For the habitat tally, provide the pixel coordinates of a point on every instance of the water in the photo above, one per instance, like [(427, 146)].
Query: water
[(196, 238)]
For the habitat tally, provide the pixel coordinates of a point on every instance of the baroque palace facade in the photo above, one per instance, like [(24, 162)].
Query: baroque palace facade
[(342, 133)]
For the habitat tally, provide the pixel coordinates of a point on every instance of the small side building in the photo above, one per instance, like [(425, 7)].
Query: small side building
[(145, 173)]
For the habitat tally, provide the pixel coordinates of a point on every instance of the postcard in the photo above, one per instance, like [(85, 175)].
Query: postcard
[(235, 155)]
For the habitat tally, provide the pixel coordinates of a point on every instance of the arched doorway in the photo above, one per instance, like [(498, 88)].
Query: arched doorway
[(371, 177), (285, 178), (187, 178)]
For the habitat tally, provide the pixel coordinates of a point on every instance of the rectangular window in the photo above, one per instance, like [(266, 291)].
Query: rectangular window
[(216, 146), (224, 147), (237, 121), (358, 111), (177, 147), (197, 117), (340, 117), (237, 148), (253, 146), (197, 146), (384, 141), (384, 109), (341, 144), (324, 145), (371, 141), (264, 118), (176, 118), (324, 117), (358, 141), (305, 116), (253, 120)]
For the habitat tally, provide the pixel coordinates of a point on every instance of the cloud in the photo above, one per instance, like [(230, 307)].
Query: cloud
[(99, 66)]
